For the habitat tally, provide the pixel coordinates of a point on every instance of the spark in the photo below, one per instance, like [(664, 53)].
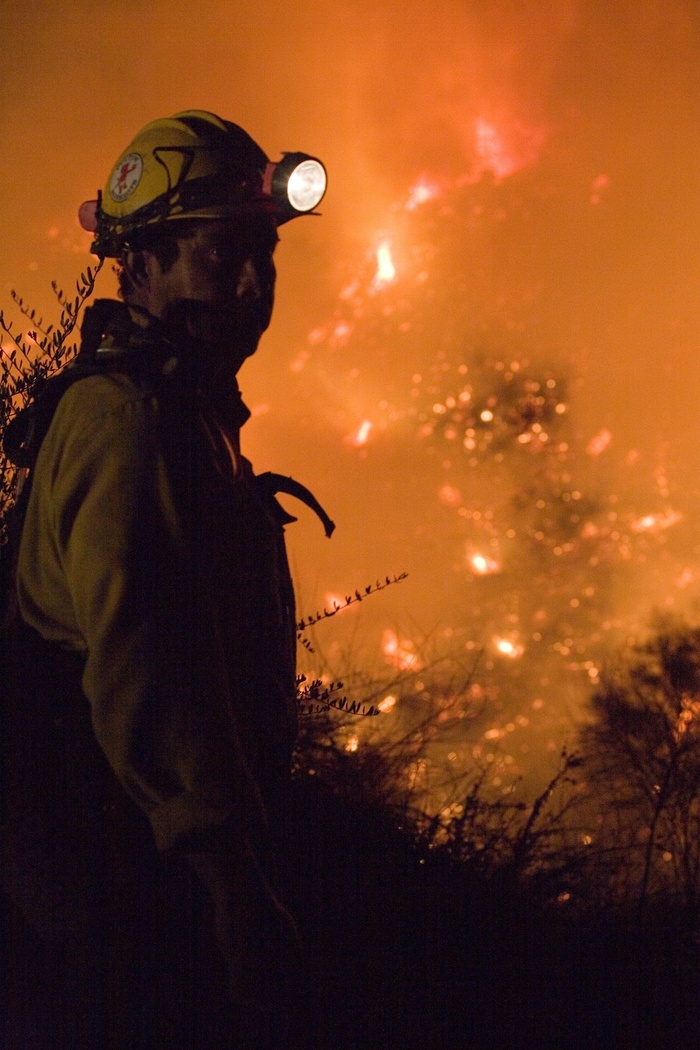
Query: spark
[(598, 444), (422, 192), (491, 150), (483, 565), (341, 334), (386, 271), (335, 601), (657, 522), (398, 652), (508, 648), (687, 577), (359, 437)]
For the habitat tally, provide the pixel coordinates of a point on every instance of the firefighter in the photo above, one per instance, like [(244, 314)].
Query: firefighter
[(151, 709)]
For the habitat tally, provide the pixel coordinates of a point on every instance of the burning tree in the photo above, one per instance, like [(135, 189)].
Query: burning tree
[(536, 557)]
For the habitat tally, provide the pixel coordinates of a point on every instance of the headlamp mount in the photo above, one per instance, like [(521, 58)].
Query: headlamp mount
[(297, 184)]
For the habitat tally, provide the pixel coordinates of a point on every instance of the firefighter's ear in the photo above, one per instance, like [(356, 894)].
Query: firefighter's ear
[(136, 268)]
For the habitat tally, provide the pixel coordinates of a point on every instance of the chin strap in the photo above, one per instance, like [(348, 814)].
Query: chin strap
[(271, 484)]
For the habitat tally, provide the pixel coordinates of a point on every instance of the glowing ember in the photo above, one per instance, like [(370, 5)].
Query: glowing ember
[(352, 744), (420, 193), (398, 653), (483, 565), (386, 271), (598, 444), (685, 578), (359, 437), (387, 703), (341, 334), (449, 495), (335, 601), (508, 648), (657, 522)]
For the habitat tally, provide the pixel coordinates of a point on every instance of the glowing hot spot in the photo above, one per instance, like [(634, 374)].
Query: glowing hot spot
[(359, 437), (386, 271), (483, 564), (598, 444), (398, 652), (508, 648), (657, 522), (420, 193)]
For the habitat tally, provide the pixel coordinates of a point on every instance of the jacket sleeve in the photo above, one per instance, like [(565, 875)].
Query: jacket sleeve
[(107, 530)]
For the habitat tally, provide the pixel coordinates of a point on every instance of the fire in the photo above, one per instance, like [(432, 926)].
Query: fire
[(398, 652), (449, 495), (657, 522), (598, 444), (359, 437), (422, 192), (387, 703), (335, 601), (491, 150), (483, 565), (508, 648), (386, 271)]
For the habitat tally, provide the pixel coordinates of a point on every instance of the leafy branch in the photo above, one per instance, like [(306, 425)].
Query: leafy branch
[(316, 697), (32, 359), (350, 599)]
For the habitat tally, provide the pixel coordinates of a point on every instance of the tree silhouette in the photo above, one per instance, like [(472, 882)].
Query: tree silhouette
[(644, 756)]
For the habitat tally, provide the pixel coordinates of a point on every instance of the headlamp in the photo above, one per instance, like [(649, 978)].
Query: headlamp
[(297, 183)]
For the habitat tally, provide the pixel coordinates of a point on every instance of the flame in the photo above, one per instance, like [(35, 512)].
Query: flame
[(598, 444), (359, 437), (657, 522), (483, 565), (491, 150), (398, 652), (387, 703), (352, 744), (386, 271), (508, 648), (422, 192)]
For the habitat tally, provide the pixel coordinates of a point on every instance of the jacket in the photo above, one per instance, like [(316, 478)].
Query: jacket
[(153, 559)]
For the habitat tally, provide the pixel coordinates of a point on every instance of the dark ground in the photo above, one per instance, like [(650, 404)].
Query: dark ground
[(409, 949)]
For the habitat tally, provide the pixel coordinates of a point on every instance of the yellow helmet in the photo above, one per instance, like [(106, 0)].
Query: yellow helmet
[(196, 165)]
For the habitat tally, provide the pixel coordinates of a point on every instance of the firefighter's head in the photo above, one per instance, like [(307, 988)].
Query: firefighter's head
[(190, 211)]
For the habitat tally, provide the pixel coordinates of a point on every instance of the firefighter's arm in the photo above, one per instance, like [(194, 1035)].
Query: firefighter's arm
[(167, 733)]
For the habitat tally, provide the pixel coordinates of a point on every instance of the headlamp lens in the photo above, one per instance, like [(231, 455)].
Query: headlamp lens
[(306, 185)]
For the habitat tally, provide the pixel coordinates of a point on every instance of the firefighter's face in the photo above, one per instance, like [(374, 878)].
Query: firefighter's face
[(221, 286)]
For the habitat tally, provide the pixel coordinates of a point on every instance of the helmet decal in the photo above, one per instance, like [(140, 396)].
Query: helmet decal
[(126, 177)]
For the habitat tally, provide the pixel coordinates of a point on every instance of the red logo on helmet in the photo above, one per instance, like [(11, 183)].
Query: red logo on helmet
[(126, 177)]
